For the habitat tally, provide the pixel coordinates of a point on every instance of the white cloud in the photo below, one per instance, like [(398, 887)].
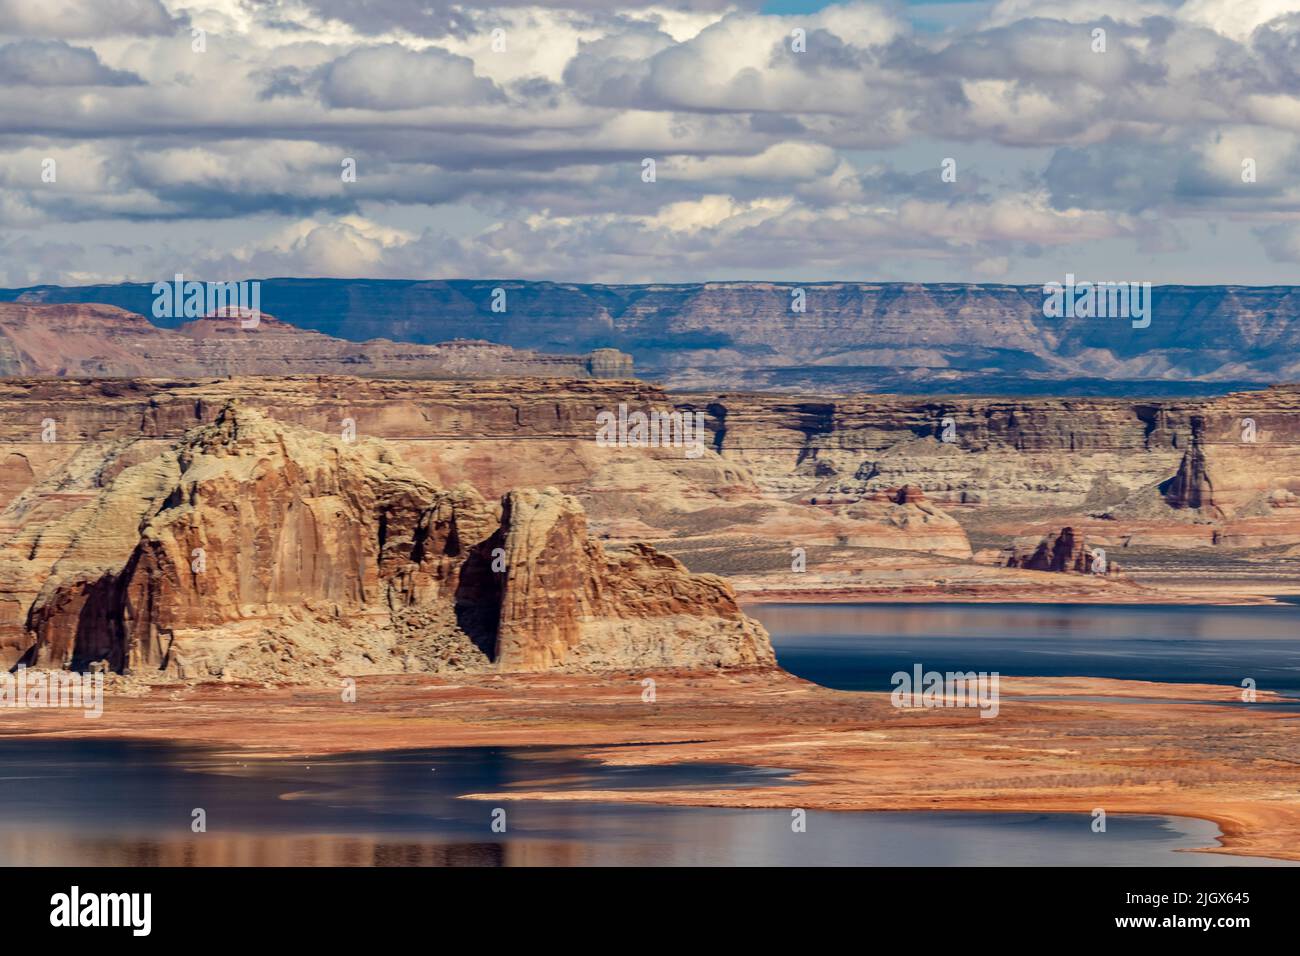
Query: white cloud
[(392, 77), (1235, 18), (75, 19), (765, 155)]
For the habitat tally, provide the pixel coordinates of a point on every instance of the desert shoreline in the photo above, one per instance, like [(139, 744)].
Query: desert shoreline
[(883, 596), (842, 750)]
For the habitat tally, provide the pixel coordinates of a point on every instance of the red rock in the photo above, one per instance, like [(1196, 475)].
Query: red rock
[(105, 341), (265, 550), (1066, 551)]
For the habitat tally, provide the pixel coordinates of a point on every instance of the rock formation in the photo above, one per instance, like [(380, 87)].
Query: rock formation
[(609, 363), (865, 485), (564, 601), (255, 549), (105, 341), (1062, 552), (940, 338), (1191, 486)]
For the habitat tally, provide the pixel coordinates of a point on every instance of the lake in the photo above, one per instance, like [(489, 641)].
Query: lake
[(111, 803), (106, 803), (858, 646)]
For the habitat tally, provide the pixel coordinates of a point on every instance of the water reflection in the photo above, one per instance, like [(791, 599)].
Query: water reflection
[(858, 646), (110, 803), (105, 803)]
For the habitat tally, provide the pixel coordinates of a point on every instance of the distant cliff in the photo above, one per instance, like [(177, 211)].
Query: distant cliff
[(874, 489), (852, 336), (105, 341)]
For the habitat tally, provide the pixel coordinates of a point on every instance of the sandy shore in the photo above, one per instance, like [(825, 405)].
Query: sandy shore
[(1236, 766), (1223, 598)]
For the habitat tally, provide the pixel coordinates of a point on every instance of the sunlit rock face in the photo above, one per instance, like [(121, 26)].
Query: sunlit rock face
[(255, 549)]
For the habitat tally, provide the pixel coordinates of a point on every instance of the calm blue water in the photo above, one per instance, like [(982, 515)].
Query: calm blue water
[(104, 803), (67, 802), (858, 646)]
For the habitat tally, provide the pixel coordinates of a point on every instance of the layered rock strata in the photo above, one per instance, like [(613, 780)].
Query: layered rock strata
[(1066, 551), (251, 548), (105, 341), (853, 336), (867, 486)]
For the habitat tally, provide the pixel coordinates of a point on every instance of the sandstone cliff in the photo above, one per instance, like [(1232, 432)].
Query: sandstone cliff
[(251, 548), (853, 337), (860, 489), (105, 341)]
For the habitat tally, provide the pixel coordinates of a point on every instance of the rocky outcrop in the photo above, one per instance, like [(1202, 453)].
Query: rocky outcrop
[(609, 363), (256, 549), (105, 341), (565, 601), (852, 481), (1191, 486), (1066, 551)]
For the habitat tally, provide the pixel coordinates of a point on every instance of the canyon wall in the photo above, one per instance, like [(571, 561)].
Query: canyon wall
[(781, 493), (1169, 455), (1219, 472), (255, 549), (108, 342), (853, 336)]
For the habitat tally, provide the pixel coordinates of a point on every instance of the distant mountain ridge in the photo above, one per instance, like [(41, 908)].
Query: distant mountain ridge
[(853, 336), (92, 340)]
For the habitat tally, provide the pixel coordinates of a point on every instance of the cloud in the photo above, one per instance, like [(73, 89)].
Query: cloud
[(55, 63), (77, 19), (528, 157), (1240, 170), (442, 18), (25, 261), (1281, 242), (743, 62), (1235, 18), (392, 77)]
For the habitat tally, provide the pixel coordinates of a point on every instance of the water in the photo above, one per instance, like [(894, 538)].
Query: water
[(108, 803), (859, 646), (97, 802)]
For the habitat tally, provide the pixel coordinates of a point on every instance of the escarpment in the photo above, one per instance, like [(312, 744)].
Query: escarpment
[(255, 549), (782, 494), (102, 340), (853, 336)]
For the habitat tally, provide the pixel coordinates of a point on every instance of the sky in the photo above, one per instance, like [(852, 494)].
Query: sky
[(794, 141)]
